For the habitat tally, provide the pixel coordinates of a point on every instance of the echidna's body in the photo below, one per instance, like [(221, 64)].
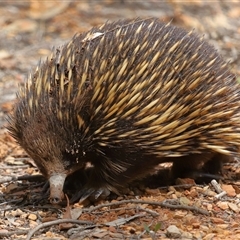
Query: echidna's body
[(125, 97)]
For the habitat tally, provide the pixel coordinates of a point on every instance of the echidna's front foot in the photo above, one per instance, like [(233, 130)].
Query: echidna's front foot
[(91, 193)]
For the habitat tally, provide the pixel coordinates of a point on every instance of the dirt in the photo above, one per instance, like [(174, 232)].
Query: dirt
[(29, 30)]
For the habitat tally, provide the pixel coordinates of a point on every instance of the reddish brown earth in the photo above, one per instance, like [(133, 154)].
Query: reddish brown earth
[(28, 31)]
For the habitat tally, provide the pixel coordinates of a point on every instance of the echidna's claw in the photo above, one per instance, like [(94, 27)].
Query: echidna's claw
[(91, 193)]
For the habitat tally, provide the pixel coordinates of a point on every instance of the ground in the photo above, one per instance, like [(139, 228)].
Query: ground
[(29, 29)]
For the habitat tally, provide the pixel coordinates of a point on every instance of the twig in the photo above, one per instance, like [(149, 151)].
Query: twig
[(185, 207), (161, 204), (18, 232), (218, 189), (32, 178), (5, 179), (216, 186), (55, 222), (14, 167), (153, 213), (8, 202)]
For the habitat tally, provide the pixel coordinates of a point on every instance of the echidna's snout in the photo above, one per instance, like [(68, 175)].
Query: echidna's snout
[(56, 182)]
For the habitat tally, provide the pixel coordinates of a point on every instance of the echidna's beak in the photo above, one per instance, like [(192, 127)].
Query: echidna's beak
[(56, 182)]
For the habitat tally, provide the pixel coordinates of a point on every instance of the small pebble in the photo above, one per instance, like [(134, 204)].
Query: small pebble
[(173, 232), (32, 216)]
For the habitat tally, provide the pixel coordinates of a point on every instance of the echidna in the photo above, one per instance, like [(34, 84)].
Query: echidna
[(125, 97)]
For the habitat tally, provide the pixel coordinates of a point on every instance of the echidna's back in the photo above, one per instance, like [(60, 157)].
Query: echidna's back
[(157, 87), (146, 83)]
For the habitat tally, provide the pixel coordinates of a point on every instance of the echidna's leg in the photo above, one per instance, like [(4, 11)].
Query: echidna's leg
[(187, 166), (103, 178), (215, 164), (96, 186), (107, 175), (202, 167)]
